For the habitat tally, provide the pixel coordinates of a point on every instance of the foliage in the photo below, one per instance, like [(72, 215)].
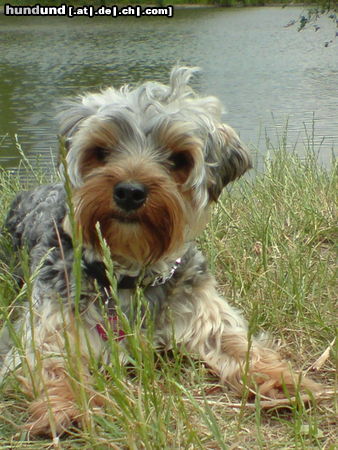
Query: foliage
[(313, 13)]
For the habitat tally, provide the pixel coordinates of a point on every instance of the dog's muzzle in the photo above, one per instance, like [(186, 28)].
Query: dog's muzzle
[(130, 195)]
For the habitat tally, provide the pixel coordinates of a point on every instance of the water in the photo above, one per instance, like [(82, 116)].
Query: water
[(265, 74)]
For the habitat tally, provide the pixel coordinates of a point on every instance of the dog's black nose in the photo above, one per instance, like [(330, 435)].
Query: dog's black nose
[(130, 195)]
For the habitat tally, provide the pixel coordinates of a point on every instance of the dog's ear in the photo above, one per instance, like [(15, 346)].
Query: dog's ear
[(226, 158), (70, 115)]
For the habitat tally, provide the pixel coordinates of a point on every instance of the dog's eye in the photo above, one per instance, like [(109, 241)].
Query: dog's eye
[(101, 153), (180, 161)]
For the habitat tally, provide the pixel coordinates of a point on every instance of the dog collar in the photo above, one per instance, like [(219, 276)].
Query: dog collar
[(159, 279), (97, 270)]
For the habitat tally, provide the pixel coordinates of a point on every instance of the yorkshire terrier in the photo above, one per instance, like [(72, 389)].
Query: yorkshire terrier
[(144, 166)]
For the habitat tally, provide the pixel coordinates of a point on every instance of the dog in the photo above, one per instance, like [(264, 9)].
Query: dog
[(144, 165)]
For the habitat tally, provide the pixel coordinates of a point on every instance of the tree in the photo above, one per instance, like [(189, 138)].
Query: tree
[(321, 8)]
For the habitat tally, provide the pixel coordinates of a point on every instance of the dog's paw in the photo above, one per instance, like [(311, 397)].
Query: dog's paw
[(52, 417), (274, 378)]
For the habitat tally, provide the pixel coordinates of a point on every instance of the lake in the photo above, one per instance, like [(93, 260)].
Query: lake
[(266, 74)]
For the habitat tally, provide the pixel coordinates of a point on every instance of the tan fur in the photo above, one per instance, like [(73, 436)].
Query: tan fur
[(62, 345), (215, 332), (155, 230)]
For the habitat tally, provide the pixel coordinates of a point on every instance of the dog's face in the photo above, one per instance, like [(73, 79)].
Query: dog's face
[(146, 163)]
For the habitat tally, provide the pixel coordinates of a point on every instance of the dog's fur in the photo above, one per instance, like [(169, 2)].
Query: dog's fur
[(145, 164)]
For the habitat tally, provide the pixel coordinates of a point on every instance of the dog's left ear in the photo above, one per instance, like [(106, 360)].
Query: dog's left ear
[(227, 159)]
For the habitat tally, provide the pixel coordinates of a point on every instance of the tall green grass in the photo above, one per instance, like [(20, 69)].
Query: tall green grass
[(271, 244)]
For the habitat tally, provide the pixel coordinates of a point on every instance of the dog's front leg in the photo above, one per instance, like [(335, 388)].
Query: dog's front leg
[(215, 332), (52, 363)]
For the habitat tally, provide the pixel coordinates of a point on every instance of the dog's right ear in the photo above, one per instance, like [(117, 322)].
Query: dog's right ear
[(71, 114)]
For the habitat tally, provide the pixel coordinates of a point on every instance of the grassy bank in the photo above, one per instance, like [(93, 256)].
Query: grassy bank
[(271, 245)]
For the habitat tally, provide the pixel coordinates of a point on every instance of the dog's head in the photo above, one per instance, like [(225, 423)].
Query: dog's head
[(145, 164)]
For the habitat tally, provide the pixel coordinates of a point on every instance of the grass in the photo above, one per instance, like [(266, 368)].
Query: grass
[(271, 244)]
